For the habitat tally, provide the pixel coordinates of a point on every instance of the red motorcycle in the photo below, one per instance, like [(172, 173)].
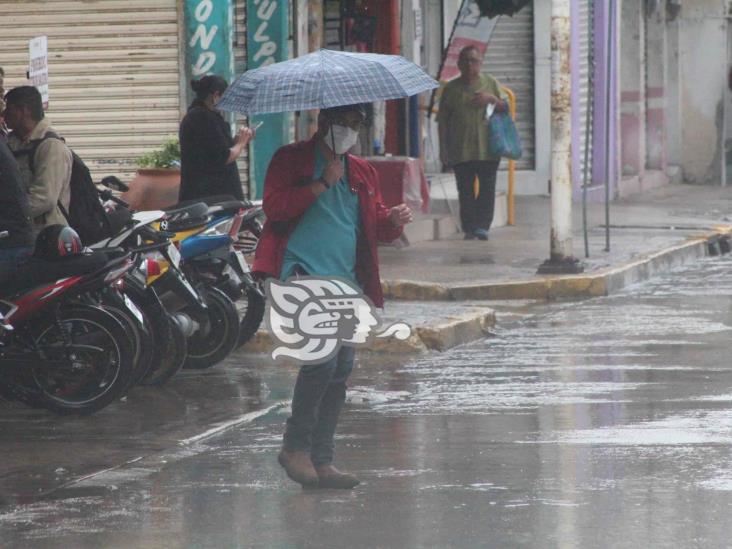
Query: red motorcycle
[(56, 350)]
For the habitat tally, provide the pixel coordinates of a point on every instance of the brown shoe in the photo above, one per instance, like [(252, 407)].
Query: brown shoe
[(330, 477), (298, 467)]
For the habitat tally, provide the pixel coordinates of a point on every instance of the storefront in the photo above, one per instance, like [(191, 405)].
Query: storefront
[(510, 58), (114, 71), (368, 26)]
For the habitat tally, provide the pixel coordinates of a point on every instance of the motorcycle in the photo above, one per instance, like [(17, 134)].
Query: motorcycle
[(223, 260), (56, 350), (160, 341), (201, 245), (207, 317), (245, 233), (168, 304)]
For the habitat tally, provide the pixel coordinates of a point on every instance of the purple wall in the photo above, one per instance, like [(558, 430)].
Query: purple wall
[(577, 126), (596, 192)]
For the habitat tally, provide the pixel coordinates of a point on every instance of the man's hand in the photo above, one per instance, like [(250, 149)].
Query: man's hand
[(400, 215), (333, 172), (483, 99)]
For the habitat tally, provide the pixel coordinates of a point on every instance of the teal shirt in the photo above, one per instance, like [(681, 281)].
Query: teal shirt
[(324, 241)]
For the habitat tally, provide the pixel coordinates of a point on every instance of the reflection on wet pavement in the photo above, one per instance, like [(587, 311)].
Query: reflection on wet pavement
[(604, 423)]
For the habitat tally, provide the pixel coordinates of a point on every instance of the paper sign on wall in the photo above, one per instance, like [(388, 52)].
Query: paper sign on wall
[(38, 71)]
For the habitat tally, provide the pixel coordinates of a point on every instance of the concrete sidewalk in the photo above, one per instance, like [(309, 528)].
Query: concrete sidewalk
[(650, 233)]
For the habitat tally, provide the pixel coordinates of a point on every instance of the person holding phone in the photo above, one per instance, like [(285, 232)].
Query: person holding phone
[(464, 138), (207, 150)]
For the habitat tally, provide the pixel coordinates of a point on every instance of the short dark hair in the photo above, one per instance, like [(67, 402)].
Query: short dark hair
[(466, 50), (27, 96), (207, 85), (363, 109)]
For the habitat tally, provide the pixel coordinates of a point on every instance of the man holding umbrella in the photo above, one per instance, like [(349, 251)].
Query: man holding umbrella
[(324, 215), (324, 218)]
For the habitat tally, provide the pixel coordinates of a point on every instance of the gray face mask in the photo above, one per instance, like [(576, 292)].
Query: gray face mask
[(342, 138)]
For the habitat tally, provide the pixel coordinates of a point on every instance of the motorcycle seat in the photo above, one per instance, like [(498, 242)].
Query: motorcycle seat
[(228, 207), (183, 218), (36, 271), (216, 200)]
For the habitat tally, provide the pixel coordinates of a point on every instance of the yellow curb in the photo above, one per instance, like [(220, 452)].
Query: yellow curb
[(415, 291), (600, 283), (455, 330)]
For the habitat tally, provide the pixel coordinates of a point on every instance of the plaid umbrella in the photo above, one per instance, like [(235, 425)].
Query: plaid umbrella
[(324, 79)]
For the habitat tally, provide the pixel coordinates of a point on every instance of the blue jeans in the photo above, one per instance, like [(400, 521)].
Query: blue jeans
[(11, 257), (320, 391)]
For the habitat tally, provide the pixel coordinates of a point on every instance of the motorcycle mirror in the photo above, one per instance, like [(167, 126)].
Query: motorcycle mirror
[(114, 182)]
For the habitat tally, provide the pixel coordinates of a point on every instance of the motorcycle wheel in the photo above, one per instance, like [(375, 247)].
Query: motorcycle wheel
[(141, 338), (252, 317), (169, 342), (208, 350), (173, 357), (102, 366)]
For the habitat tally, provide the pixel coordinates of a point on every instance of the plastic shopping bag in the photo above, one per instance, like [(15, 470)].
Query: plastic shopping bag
[(503, 139)]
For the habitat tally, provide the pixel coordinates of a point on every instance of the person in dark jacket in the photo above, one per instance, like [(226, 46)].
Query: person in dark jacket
[(207, 150), (14, 212)]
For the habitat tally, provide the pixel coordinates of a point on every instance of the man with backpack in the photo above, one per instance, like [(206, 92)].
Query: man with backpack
[(44, 160)]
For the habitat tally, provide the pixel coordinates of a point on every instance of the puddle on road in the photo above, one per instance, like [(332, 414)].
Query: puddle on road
[(615, 399), (699, 427)]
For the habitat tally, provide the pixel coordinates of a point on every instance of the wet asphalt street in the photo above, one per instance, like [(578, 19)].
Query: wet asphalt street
[(604, 423)]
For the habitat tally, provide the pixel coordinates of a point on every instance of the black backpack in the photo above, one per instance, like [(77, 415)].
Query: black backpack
[(86, 214)]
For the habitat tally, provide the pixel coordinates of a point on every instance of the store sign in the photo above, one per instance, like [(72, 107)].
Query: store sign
[(208, 39), (417, 46), (470, 30), (38, 63), (267, 34)]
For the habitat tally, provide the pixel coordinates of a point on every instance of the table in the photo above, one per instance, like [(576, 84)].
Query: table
[(402, 180)]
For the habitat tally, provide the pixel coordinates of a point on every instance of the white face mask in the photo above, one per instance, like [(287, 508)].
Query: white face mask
[(343, 137)]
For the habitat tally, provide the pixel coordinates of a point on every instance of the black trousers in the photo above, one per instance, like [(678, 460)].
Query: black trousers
[(476, 213)]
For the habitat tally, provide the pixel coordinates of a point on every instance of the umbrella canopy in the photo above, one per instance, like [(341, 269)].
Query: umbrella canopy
[(325, 79)]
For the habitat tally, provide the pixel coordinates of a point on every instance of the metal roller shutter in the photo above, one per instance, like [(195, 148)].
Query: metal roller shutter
[(113, 71), (240, 65), (584, 66), (510, 58)]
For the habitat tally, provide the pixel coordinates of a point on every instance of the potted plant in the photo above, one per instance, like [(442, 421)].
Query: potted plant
[(158, 178)]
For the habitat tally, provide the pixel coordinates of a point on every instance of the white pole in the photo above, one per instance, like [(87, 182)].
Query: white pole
[(561, 259)]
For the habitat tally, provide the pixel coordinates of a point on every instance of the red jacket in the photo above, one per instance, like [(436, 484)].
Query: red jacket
[(287, 197)]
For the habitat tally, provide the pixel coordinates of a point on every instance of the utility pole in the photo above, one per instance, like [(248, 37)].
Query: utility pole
[(561, 260)]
